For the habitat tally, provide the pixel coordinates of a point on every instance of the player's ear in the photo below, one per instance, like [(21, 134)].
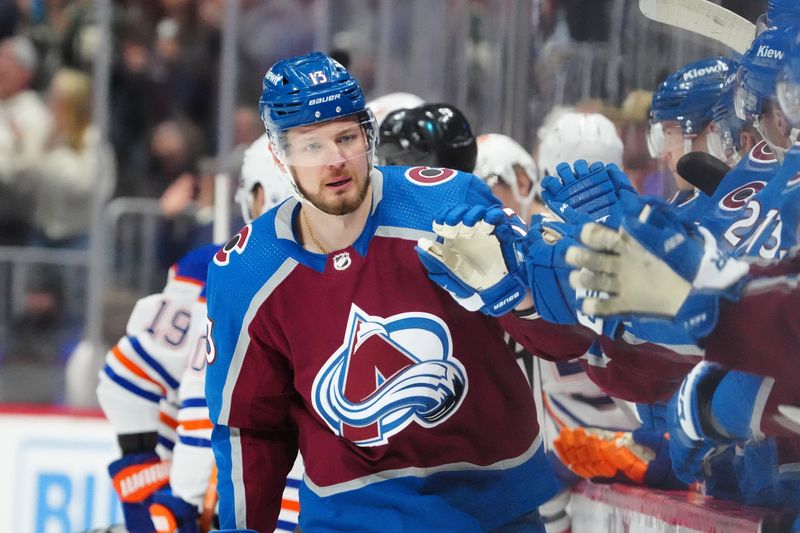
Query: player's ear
[(747, 141)]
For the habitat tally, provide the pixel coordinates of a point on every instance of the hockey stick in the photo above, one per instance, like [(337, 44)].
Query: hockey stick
[(704, 18), (209, 503)]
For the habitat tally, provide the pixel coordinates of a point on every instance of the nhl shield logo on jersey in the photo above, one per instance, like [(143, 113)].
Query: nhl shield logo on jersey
[(428, 176), (387, 373), (341, 261)]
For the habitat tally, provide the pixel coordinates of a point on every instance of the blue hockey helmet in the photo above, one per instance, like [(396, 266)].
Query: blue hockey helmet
[(724, 140), (688, 95), (758, 73), (782, 13), (307, 90), (788, 84)]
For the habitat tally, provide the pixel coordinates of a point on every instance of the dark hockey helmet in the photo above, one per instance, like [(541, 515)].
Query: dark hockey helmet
[(435, 135)]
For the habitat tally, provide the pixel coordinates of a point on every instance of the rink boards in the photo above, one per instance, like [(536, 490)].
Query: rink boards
[(53, 476)]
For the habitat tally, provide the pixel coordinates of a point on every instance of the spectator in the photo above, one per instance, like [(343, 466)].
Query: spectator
[(172, 153), (32, 360), (25, 126), (64, 180), (640, 167)]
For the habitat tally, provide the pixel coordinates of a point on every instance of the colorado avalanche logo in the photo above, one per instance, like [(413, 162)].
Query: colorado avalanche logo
[(428, 176), (761, 153), (388, 373), (236, 244), (738, 198)]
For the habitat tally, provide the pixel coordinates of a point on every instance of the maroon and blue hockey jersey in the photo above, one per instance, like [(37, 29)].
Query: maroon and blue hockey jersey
[(410, 412)]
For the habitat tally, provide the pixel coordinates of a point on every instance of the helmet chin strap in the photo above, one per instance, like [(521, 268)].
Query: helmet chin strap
[(687, 145)]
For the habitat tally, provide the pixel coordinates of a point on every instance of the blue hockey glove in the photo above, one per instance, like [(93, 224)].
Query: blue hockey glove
[(595, 190), (136, 477), (549, 237), (172, 514), (655, 265), (693, 440), (475, 257)]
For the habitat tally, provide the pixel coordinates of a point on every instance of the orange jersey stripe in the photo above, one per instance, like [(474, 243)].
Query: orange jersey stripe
[(168, 420), (130, 365), (290, 505), (188, 280), (197, 424)]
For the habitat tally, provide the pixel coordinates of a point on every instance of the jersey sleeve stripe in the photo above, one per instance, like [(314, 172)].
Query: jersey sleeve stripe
[(130, 387), (186, 279), (165, 442), (135, 369), (193, 402), (168, 420), (195, 441), (290, 505), (190, 425), (155, 365), (243, 340), (283, 525)]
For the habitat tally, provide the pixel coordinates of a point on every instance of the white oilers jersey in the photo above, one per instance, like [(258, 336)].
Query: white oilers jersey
[(154, 378), (566, 397)]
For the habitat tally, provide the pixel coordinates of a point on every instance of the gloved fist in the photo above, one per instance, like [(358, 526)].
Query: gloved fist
[(136, 477), (172, 514), (594, 190), (475, 257), (598, 453), (550, 236), (655, 265), (693, 442)]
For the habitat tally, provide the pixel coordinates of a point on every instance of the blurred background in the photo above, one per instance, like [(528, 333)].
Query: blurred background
[(119, 117), (116, 116)]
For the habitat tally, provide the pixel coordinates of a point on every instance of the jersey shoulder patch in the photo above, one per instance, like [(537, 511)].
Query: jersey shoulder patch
[(236, 244), (429, 176)]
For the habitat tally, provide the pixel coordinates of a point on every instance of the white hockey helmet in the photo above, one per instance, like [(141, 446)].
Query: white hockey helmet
[(383, 105), (589, 136), (259, 168), (497, 156)]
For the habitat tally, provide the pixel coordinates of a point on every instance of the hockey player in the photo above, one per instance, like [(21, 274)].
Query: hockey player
[(681, 120), (510, 172), (389, 103), (436, 135), (327, 336), (573, 136), (757, 231), (152, 386)]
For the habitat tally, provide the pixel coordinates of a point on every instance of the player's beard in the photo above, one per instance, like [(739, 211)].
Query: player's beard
[(340, 205)]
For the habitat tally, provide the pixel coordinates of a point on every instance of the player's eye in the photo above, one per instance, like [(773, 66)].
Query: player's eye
[(347, 139), (311, 147)]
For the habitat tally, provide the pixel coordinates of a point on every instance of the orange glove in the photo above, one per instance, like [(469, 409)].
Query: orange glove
[(592, 453)]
